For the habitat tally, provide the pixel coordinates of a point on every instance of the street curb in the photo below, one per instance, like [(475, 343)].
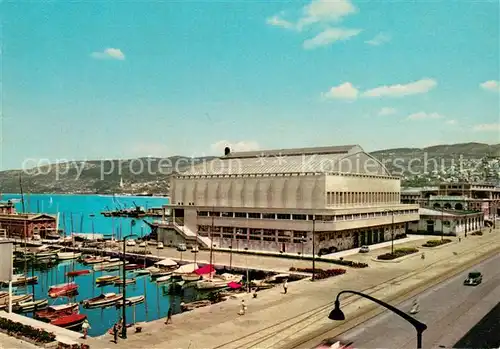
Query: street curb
[(370, 311)]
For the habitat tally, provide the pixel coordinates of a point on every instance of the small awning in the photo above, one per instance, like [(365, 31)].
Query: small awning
[(234, 285), (207, 269), (166, 263)]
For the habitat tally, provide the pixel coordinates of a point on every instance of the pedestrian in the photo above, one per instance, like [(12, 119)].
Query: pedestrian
[(243, 308), (255, 292), (285, 286), (169, 316), (415, 308), (459, 239), (85, 328), (115, 333)]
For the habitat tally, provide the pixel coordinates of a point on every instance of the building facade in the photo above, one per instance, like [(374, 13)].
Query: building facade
[(447, 222), (24, 226), (286, 200)]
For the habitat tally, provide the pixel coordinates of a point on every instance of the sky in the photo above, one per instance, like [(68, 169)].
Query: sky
[(120, 79)]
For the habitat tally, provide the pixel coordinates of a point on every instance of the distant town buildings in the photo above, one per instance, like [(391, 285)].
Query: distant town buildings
[(286, 200)]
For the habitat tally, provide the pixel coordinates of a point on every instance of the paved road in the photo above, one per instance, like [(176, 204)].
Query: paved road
[(449, 309), (486, 333)]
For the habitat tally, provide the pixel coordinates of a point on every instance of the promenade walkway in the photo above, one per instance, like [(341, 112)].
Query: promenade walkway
[(275, 319)]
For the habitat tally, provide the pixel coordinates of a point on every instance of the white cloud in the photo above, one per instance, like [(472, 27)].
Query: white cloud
[(343, 91), (487, 128), (379, 39), (109, 53), (387, 111), (326, 11), (329, 36), (491, 85), (277, 21), (451, 122), (424, 116), (219, 146), (400, 90)]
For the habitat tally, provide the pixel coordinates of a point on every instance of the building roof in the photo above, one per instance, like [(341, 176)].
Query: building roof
[(418, 190), (26, 216), (341, 159), (446, 213)]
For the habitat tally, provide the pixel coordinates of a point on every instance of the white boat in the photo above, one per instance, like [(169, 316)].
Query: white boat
[(131, 301), (108, 266), (186, 269), (104, 300), (189, 277), (68, 255), (131, 242), (163, 278), (211, 284), (30, 305), (230, 277)]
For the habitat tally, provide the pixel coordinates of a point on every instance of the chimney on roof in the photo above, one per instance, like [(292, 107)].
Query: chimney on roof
[(227, 150)]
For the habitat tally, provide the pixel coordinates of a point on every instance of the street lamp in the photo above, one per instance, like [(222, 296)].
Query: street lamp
[(313, 250), (338, 315), (124, 307), (392, 231)]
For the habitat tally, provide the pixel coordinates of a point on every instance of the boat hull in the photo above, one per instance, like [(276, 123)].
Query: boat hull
[(130, 301), (68, 255), (101, 302), (25, 307)]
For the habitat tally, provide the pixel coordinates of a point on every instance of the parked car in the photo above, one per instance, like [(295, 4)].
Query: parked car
[(364, 249), (181, 247), (195, 249), (473, 279), (333, 343), (131, 242), (160, 245)]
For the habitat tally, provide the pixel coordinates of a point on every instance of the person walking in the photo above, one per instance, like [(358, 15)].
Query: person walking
[(169, 316), (285, 286), (85, 328), (415, 308), (243, 308), (115, 333)]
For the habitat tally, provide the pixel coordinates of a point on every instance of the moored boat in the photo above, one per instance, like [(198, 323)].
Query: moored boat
[(211, 284), (134, 266), (68, 255), (108, 265), (55, 311), (104, 300), (29, 306), (93, 260), (119, 282), (62, 290), (106, 279), (163, 278), (19, 280), (72, 321), (190, 277), (17, 299), (142, 271), (78, 272), (130, 301)]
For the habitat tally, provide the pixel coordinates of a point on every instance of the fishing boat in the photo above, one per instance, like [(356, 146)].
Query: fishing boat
[(134, 266), (93, 260), (190, 277), (127, 282), (19, 280), (104, 300), (29, 306), (108, 266), (163, 278), (106, 279), (72, 321), (130, 301), (62, 290), (68, 255), (77, 272), (211, 284), (17, 299), (55, 311)]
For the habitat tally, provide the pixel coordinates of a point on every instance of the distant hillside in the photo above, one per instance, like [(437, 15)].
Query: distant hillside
[(417, 167)]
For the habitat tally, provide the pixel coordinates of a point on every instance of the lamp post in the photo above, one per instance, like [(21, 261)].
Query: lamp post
[(442, 224), (124, 307), (314, 250), (337, 314), (246, 262)]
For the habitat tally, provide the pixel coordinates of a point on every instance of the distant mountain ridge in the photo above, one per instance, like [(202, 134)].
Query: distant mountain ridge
[(416, 166)]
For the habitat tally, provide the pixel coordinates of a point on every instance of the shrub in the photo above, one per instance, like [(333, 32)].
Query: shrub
[(320, 273), (477, 233), (434, 243), (399, 252), (351, 264), (35, 334)]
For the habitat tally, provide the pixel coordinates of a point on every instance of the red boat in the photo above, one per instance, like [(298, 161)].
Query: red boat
[(134, 266), (62, 290), (56, 311), (78, 272), (69, 321)]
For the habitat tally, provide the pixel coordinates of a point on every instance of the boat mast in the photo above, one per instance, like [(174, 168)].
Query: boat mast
[(22, 195)]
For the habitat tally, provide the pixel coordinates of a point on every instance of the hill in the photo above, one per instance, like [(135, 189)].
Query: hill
[(416, 166)]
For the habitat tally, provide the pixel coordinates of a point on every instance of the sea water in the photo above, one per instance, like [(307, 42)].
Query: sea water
[(77, 214)]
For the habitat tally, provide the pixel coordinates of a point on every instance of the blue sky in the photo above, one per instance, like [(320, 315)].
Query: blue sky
[(113, 79)]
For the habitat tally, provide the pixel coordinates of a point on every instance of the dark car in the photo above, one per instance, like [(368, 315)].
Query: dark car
[(334, 343), (473, 279)]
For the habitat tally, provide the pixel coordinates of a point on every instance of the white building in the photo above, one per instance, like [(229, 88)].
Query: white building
[(447, 222), (274, 200)]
